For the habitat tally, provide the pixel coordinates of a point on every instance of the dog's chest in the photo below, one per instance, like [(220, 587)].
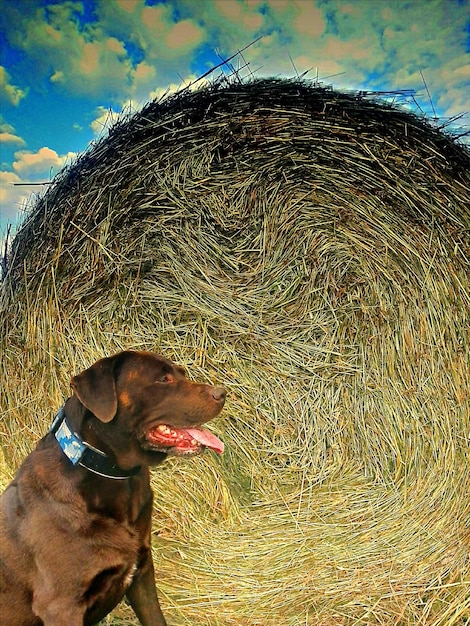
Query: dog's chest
[(111, 561)]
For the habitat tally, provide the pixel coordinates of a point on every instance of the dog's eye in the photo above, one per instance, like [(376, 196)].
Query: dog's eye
[(166, 378)]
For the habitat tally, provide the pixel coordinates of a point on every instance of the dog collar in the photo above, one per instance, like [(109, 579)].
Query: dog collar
[(80, 452)]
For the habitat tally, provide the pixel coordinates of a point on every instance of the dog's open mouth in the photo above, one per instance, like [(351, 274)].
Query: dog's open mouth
[(183, 440)]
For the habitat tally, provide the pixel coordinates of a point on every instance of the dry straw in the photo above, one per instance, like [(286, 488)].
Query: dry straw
[(310, 250)]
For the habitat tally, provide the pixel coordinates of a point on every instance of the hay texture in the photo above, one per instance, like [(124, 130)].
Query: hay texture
[(310, 250)]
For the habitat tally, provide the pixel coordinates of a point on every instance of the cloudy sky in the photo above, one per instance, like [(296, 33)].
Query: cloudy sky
[(68, 67)]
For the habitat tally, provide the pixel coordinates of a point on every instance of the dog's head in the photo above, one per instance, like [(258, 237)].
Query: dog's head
[(143, 407)]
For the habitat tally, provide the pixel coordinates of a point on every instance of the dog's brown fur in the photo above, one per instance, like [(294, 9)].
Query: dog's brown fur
[(73, 543)]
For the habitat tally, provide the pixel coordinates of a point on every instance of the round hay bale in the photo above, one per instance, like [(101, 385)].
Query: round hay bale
[(311, 251)]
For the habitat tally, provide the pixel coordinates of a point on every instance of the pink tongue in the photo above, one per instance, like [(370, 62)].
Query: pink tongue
[(206, 438)]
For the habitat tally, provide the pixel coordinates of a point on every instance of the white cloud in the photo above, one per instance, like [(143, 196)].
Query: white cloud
[(13, 199), (183, 37), (174, 87), (310, 21), (155, 30), (17, 188), (10, 92), (82, 60), (4, 127), (8, 137), (116, 56), (245, 15), (45, 162), (104, 120)]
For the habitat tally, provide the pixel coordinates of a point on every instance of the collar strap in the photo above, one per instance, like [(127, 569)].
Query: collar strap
[(80, 452)]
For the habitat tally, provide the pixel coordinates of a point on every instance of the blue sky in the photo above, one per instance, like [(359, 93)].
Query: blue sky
[(67, 68)]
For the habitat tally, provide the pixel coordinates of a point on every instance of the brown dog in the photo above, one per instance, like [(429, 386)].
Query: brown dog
[(75, 522)]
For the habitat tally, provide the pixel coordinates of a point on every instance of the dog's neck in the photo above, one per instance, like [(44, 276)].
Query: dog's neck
[(79, 452)]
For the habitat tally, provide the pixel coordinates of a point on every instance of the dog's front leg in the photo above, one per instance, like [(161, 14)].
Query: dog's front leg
[(142, 595)]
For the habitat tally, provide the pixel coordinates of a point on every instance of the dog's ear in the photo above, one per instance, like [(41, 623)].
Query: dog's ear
[(96, 389)]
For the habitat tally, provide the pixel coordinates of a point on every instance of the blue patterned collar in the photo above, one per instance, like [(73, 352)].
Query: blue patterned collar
[(80, 452)]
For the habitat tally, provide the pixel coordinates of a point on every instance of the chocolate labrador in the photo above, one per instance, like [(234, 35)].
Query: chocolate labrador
[(75, 522)]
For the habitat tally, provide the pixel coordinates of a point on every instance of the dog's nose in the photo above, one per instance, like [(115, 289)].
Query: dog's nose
[(219, 393)]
